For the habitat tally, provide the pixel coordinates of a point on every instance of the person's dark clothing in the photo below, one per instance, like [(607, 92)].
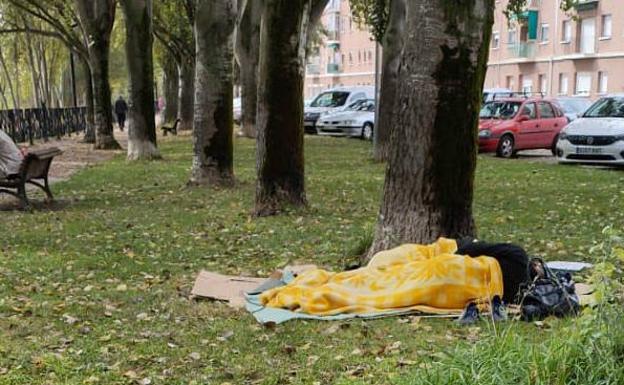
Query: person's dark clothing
[(121, 108), (512, 259)]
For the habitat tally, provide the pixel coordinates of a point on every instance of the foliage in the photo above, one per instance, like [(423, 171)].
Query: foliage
[(372, 13), (96, 290)]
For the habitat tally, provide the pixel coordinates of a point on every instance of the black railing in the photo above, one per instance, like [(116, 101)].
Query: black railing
[(42, 123)]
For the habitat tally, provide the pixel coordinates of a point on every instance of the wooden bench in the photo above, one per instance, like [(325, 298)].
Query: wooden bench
[(33, 170)]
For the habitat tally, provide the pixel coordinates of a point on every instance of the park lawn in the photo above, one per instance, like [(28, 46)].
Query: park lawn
[(96, 291)]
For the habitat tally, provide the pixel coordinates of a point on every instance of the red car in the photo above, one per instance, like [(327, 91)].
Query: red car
[(510, 125)]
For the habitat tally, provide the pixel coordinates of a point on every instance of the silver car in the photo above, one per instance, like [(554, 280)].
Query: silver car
[(597, 136), (357, 120)]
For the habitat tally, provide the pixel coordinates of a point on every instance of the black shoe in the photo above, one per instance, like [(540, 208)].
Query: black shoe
[(470, 314), (499, 312)]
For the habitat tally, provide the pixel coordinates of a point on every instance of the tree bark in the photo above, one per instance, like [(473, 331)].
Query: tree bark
[(170, 89), (429, 179), (90, 118), (280, 159), (139, 42), (186, 98), (97, 18), (212, 125), (248, 55), (393, 42)]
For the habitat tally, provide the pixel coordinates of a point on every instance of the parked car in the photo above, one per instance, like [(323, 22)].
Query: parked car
[(491, 94), (572, 107), (336, 99), (509, 125), (357, 120), (597, 136), (238, 110)]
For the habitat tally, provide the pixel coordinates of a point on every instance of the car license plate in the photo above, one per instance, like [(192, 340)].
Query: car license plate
[(588, 150)]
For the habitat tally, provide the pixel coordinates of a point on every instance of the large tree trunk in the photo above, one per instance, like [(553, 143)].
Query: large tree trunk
[(97, 18), (393, 42), (429, 180), (186, 98), (248, 56), (280, 163), (90, 118), (170, 89), (212, 126), (139, 41)]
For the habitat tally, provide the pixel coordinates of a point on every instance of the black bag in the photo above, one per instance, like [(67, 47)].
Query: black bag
[(547, 293)]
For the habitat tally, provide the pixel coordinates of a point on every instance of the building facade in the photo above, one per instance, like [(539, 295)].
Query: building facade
[(549, 51), (544, 50), (346, 57)]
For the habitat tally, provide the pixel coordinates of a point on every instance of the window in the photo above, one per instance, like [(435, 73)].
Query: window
[(510, 83), (529, 110), (583, 83), (563, 84), (544, 33), (495, 40), (588, 36), (511, 36), (370, 56), (527, 85), (543, 84), (603, 82), (546, 111), (566, 31), (607, 27)]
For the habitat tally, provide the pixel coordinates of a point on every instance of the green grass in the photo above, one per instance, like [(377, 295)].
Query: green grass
[(97, 290)]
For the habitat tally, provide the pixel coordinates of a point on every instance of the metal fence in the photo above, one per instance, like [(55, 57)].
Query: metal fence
[(42, 123)]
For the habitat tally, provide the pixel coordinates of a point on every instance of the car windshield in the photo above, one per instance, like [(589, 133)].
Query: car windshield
[(362, 105), (499, 110), (577, 106), (330, 99), (606, 108)]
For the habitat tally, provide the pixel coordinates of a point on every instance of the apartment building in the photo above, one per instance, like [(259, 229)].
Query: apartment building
[(547, 50), (345, 58), (542, 50)]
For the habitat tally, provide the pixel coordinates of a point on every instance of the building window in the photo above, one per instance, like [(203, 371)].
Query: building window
[(370, 56), (603, 82), (583, 83), (511, 36), (509, 82), (588, 35), (563, 84), (527, 85), (607, 27), (566, 31), (543, 85), (360, 57), (350, 58), (495, 40), (544, 33)]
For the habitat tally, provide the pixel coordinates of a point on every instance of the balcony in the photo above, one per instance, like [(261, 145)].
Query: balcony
[(522, 50), (333, 68), (313, 69), (587, 5)]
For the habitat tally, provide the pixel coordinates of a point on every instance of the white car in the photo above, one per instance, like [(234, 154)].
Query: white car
[(237, 110), (334, 100), (356, 120), (597, 136)]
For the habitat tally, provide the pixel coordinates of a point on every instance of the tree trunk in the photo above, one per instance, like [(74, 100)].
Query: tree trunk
[(280, 161), (139, 41), (186, 98), (429, 179), (248, 56), (212, 126), (8, 79), (170, 86), (393, 42), (90, 118), (97, 18)]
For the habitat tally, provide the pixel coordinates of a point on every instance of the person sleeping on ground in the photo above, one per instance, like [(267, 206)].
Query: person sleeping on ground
[(430, 278)]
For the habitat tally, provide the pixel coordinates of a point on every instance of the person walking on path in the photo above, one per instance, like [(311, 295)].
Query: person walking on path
[(10, 156), (121, 108)]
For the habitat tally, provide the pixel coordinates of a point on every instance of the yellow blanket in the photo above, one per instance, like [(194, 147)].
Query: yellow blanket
[(428, 278)]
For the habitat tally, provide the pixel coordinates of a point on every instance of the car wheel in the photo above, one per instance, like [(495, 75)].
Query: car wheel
[(553, 146), (367, 132), (505, 147)]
